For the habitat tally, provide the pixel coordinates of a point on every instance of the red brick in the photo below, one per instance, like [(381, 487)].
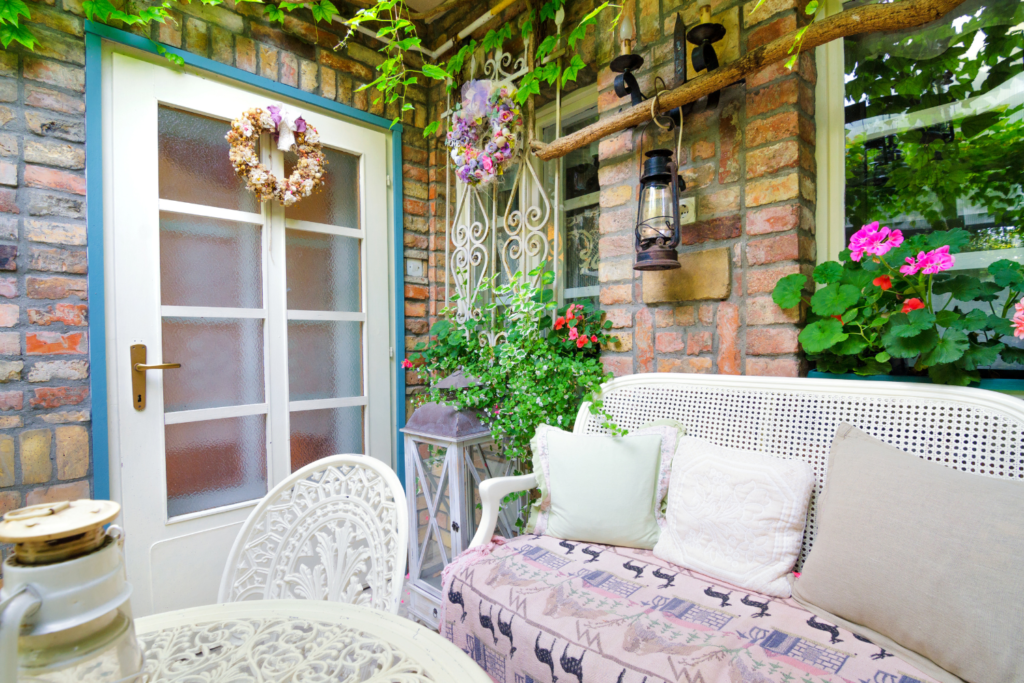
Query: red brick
[(722, 228), (55, 397), (773, 367), (669, 342), (414, 207), (688, 365), (415, 155), (773, 219), (718, 202), (613, 174), (620, 317), (702, 150), (729, 139), (700, 177), (39, 176), (762, 281), (698, 342), (53, 73), (415, 241), (69, 314), (777, 127), (728, 347), (338, 63), (773, 250), (55, 288), (764, 311), (55, 343), (685, 316), (11, 400), (664, 317), (772, 97), (617, 365), (616, 145), (9, 500), (8, 287), (616, 294), (414, 173), (764, 10), (416, 292), (770, 32), (772, 159), (771, 341), (707, 314), (415, 310), (771, 190), (8, 254), (57, 493), (643, 340), (616, 245), (9, 201)]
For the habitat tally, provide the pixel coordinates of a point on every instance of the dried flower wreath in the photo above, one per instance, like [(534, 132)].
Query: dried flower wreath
[(484, 133), (291, 133)]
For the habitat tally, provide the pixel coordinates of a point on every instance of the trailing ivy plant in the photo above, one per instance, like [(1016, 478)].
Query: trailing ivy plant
[(528, 367), (886, 301)]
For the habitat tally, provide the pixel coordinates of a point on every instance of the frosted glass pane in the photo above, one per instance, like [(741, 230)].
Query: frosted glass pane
[(337, 200), (325, 359), (221, 362), (319, 433), (194, 163), (323, 272), (215, 463), (209, 262)]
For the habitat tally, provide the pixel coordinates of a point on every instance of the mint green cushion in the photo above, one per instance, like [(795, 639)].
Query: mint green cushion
[(603, 488)]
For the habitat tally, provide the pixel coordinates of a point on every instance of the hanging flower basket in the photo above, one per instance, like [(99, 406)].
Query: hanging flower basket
[(486, 132)]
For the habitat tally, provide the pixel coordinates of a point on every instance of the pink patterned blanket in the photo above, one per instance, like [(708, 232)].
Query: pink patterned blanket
[(540, 610)]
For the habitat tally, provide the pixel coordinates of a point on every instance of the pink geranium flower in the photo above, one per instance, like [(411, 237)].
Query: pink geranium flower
[(1018, 320), (929, 262), (573, 333), (582, 341), (406, 363), (870, 240)]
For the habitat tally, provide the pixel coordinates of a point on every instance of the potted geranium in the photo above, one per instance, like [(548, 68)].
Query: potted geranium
[(883, 308)]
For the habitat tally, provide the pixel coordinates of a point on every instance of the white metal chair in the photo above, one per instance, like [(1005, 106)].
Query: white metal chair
[(337, 529)]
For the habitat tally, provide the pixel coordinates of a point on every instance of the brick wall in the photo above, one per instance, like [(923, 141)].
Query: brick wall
[(750, 166), (45, 406)]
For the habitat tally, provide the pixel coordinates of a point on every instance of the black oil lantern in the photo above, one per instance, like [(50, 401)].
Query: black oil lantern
[(657, 218)]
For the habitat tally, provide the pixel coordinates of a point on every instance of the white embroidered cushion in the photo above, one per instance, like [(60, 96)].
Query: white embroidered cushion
[(736, 515)]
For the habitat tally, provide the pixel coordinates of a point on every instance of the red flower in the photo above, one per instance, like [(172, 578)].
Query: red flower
[(406, 363), (593, 338), (582, 341), (912, 305), (559, 323), (883, 281)]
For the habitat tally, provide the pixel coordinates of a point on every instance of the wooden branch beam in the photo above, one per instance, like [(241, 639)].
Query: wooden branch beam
[(889, 17)]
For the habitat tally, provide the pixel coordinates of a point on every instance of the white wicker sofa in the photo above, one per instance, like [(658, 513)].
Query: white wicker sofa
[(539, 609)]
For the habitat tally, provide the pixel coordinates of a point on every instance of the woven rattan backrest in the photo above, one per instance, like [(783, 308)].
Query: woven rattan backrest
[(967, 429)]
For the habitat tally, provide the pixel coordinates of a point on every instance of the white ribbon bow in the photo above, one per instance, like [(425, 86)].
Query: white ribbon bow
[(286, 128)]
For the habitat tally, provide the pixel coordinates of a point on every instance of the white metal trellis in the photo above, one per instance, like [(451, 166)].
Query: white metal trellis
[(476, 243)]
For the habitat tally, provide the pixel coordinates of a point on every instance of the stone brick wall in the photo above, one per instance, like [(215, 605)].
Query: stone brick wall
[(45, 406)]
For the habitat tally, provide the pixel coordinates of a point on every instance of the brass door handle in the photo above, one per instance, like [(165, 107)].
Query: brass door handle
[(139, 367)]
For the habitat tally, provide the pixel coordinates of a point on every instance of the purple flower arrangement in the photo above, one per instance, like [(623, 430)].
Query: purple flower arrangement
[(484, 132)]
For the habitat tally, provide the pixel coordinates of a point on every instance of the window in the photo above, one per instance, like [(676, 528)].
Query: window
[(924, 130), (577, 218)]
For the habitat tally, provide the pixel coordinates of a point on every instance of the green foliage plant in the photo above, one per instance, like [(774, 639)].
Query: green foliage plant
[(527, 369), (880, 303)]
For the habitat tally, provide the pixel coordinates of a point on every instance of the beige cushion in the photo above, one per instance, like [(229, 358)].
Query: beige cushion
[(736, 515), (921, 555)]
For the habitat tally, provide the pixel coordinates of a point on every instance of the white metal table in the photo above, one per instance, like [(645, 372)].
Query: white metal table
[(281, 641)]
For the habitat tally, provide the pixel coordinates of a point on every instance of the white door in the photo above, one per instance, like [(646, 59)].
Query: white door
[(279, 318)]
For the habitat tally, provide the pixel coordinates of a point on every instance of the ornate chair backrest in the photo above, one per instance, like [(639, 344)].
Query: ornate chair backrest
[(971, 430), (337, 530)]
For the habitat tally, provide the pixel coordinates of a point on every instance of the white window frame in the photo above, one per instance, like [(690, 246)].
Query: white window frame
[(573, 107)]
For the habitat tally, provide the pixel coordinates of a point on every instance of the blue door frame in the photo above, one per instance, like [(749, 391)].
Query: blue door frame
[(95, 35)]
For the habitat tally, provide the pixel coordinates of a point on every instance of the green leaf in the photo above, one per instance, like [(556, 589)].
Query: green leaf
[(435, 72), (853, 345), (990, 291), (950, 373), (828, 272), (908, 347), (956, 239), (978, 356), (973, 125), (946, 318), (812, 8), (177, 60), (1006, 273), (431, 128), (873, 366), (527, 28), (18, 34), (272, 12), (528, 86), (915, 323), (580, 31), (10, 10), (1013, 355), (882, 356), (850, 315), (949, 348), (999, 325), (960, 287), (789, 290), (495, 38), (546, 47), (548, 9), (821, 335), (575, 64), (974, 321), (834, 299)]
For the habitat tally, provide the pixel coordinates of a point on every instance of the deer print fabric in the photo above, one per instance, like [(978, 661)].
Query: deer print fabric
[(543, 611)]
